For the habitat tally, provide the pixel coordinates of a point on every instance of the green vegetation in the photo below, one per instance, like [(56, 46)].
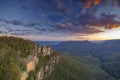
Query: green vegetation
[(86, 61), (21, 46), (111, 65), (43, 60), (12, 52), (106, 55), (83, 68)]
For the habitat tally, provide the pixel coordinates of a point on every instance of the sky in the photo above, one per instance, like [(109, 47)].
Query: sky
[(60, 20)]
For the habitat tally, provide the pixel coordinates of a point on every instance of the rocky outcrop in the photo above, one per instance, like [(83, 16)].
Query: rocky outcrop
[(40, 74), (48, 69), (39, 48), (43, 50), (33, 60), (31, 63), (24, 75)]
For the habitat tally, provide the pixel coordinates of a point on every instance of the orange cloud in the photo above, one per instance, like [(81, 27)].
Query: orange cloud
[(111, 26), (96, 2), (90, 3)]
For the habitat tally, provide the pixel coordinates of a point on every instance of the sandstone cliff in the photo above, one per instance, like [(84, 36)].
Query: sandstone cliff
[(42, 62), (24, 60), (46, 71)]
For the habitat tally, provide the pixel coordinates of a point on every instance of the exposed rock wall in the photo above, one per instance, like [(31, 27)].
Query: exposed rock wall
[(48, 69), (32, 62), (45, 50), (39, 49), (40, 74), (24, 75)]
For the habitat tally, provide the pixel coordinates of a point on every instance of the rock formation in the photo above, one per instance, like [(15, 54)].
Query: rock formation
[(31, 63), (39, 48), (40, 74), (48, 69), (43, 50), (24, 60), (33, 60)]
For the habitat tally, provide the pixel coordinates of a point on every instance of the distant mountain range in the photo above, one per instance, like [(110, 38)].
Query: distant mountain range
[(51, 43), (58, 42), (107, 52), (85, 46)]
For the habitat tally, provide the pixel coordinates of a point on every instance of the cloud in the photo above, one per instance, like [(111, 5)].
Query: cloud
[(61, 6), (88, 24), (93, 3), (25, 7), (71, 18), (32, 24), (14, 22), (105, 20), (90, 3), (19, 23), (113, 3), (16, 27), (71, 28)]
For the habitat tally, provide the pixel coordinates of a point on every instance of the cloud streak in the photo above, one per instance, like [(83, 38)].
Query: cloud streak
[(18, 23), (89, 24)]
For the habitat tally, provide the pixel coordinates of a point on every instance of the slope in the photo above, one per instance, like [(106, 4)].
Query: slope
[(83, 68)]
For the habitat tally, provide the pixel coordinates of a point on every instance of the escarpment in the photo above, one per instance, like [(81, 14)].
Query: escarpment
[(40, 64), (46, 71), (24, 60)]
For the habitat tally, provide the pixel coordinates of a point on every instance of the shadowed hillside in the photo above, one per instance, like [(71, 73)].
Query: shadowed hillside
[(108, 53), (83, 68)]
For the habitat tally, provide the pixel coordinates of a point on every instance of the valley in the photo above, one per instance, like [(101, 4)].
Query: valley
[(105, 56)]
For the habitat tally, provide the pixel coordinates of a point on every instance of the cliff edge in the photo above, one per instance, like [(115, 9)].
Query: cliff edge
[(24, 60)]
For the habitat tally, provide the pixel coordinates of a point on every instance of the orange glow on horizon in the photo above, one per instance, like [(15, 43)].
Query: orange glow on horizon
[(107, 34), (97, 38)]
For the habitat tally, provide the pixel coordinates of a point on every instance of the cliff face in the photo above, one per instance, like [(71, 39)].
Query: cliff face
[(22, 60), (43, 50), (46, 71), (42, 62), (31, 63)]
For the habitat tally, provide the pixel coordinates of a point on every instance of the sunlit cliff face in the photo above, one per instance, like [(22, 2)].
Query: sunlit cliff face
[(60, 19)]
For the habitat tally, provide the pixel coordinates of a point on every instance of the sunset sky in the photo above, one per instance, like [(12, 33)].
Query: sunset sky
[(60, 19)]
